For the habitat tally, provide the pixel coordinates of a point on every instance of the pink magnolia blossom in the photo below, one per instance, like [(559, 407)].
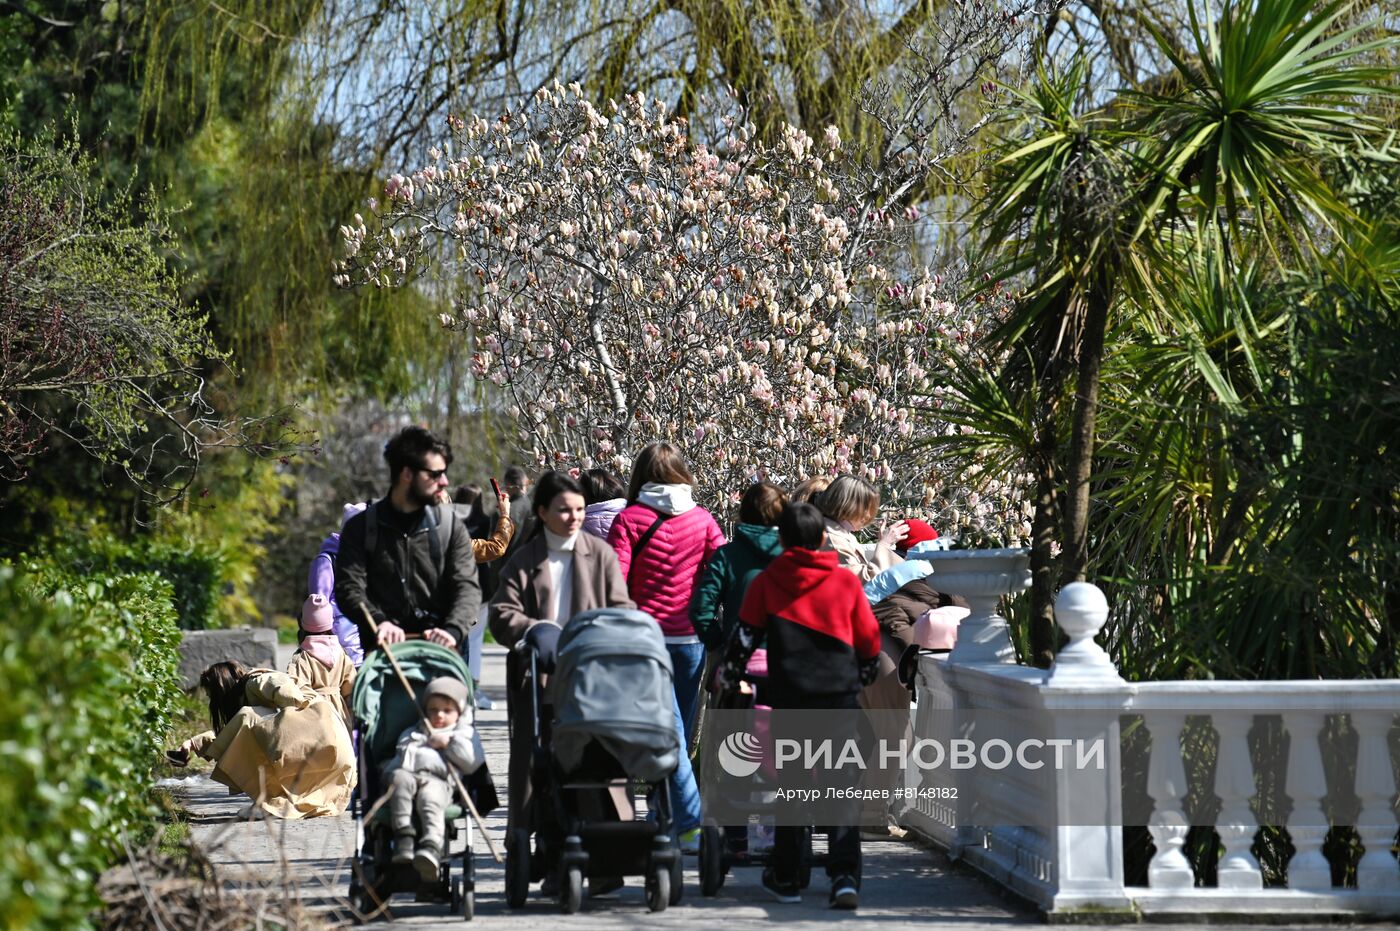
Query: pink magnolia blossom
[(624, 282)]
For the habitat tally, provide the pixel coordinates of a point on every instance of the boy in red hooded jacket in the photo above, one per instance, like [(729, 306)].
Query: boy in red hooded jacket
[(823, 647)]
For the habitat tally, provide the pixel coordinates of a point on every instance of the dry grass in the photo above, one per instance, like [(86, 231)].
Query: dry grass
[(160, 890)]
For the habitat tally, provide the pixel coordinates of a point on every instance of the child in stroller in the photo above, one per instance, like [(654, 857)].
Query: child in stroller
[(420, 777), (385, 718), (610, 738)]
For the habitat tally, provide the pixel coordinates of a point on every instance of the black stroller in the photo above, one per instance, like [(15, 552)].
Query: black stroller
[(601, 740), (724, 847), (382, 710)]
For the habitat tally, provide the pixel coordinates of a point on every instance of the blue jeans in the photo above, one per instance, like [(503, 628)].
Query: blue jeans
[(687, 666), (685, 794)]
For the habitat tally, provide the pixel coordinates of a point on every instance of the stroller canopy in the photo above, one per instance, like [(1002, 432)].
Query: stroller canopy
[(612, 684), (379, 703)]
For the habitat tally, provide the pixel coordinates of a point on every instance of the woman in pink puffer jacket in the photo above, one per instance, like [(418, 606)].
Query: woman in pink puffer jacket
[(663, 541)]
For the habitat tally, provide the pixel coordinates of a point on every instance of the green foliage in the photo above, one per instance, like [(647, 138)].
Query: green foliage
[(99, 346), (232, 514), (89, 674), (1271, 81), (194, 572), (212, 544), (1239, 222)]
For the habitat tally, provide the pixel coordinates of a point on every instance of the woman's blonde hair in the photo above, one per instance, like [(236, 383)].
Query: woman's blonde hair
[(850, 499), (658, 462), (807, 491)]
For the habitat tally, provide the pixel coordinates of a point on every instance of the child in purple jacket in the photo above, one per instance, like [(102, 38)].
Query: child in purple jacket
[(321, 581)]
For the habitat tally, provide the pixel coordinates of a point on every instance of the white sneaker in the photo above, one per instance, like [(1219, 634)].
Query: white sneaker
[(484, 702)]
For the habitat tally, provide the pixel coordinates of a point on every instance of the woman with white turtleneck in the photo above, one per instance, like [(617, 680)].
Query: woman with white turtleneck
[(557, 573)]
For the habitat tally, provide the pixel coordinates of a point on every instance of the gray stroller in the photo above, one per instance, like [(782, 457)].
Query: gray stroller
[(612, 742)]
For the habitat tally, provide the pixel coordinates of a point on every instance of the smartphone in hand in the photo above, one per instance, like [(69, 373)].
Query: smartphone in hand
[(496, 489)]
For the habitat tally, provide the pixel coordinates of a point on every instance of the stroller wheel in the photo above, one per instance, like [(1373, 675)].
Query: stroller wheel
[(362, 904), (463, 900), (659, 888), (711, 861), (677, 879), (518, 869), (571, 891)]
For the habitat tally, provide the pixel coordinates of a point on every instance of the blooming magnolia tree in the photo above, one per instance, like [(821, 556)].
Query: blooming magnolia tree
[(625, 282)]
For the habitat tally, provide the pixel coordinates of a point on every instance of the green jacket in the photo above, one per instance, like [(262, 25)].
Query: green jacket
[(714, 608)]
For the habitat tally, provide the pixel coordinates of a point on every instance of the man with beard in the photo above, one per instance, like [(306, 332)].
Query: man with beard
[(405, 560)]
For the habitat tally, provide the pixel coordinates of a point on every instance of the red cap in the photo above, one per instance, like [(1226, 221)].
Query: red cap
[(919, 532)]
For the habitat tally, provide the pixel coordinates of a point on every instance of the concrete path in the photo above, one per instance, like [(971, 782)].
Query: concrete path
[(905, 885)]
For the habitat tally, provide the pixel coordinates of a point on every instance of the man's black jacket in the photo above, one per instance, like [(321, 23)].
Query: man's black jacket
[(401, 575)]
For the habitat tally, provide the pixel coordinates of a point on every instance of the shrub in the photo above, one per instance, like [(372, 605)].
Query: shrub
[(195, 572), (89, 673)]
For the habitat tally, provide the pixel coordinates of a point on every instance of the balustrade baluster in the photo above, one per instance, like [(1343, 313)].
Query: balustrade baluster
[(1234, 784), (1166, 783), (1375, 787), (1307, 787)]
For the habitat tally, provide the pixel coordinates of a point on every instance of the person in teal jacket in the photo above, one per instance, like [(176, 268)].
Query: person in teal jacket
[(714, 606)]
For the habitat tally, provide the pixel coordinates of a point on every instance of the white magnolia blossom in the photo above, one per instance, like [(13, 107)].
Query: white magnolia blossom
[(624, 282)]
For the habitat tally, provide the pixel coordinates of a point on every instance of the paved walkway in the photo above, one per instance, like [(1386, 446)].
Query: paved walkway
[(905, 885)]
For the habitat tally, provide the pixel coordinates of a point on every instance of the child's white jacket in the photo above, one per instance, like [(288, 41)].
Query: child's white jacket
[(463, 750)]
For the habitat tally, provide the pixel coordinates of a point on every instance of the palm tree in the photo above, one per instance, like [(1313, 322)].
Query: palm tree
[(1159, 221)]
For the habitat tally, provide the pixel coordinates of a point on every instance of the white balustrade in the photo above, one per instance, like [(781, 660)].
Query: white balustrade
[(1307, 787), (1166, 783), (1076, 862), (1375, 787), (1234, 783)]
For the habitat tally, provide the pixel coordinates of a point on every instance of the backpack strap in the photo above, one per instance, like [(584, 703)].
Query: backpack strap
[(645, 538), (441, 530), (371, 529)]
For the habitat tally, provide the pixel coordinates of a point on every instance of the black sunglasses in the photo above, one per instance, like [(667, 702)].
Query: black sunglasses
[(433, 474)]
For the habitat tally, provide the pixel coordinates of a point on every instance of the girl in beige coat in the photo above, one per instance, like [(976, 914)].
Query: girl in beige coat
[(275, 740), (320, 662)]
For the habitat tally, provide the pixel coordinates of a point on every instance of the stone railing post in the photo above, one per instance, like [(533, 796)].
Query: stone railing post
[(1307, 787), (1166, 784), (1083, 697), (1234, 784), (1375, 787), (1081, 611)]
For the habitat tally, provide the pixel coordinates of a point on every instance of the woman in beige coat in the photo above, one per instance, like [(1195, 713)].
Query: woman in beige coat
[(275, 740), (559, 572)]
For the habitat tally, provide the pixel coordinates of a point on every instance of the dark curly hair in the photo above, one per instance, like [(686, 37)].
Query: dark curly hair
[(410, 446)]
